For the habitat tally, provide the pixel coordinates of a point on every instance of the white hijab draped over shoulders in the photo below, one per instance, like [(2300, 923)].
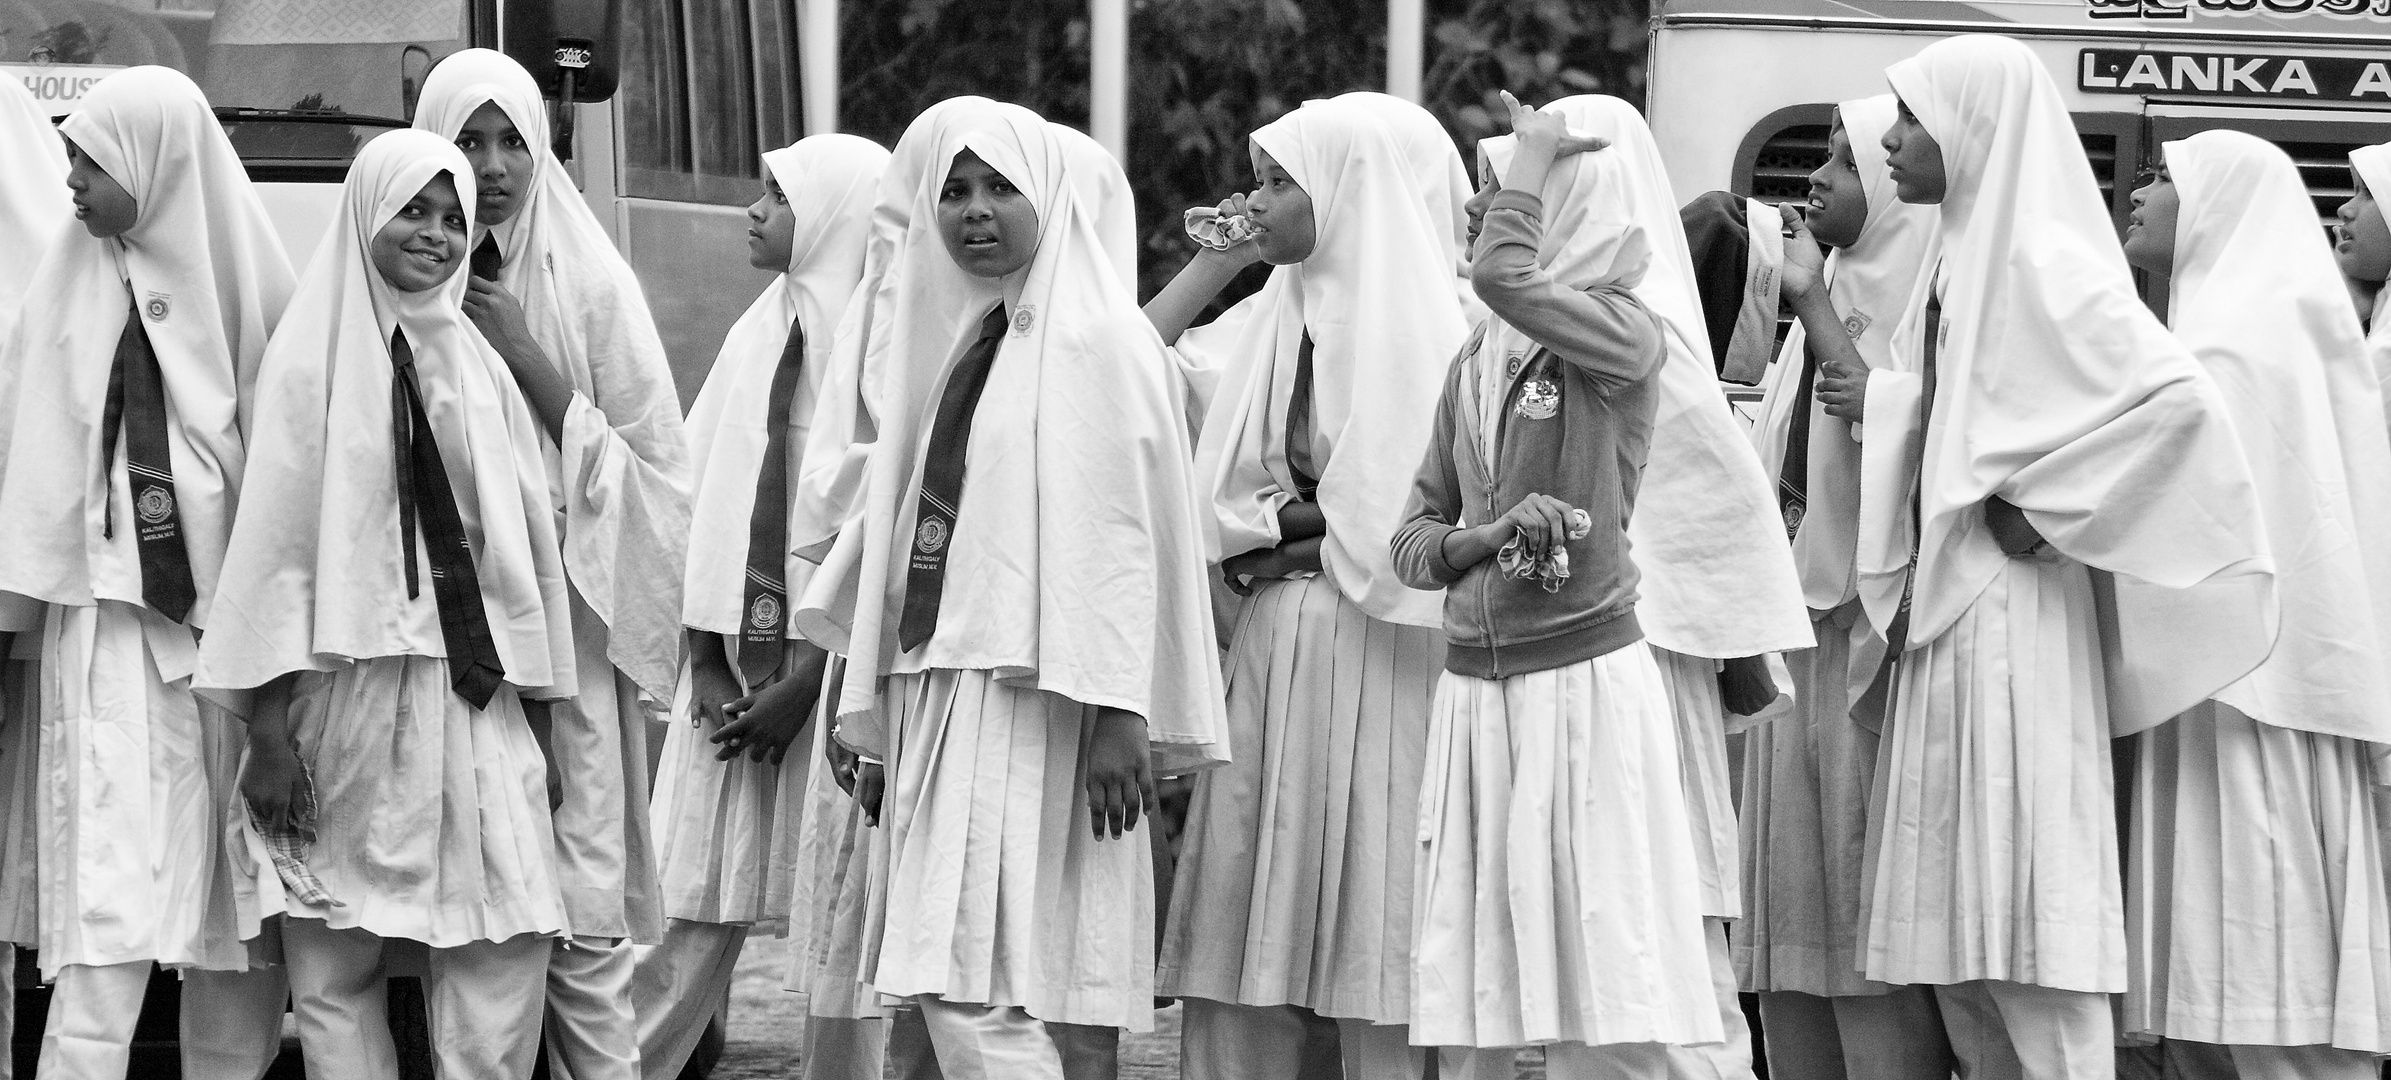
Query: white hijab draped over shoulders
[(2061, 393), (1078, 572), (1444, 180), (316, 576), (209, 272), (1717, 577), (830, 182), (2258, 299), (623, 473), (34, 205), (1377, 297), (2373, 165), (1870, 284)]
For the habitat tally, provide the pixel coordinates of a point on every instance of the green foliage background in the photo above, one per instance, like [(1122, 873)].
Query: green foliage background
[(1204, 73)]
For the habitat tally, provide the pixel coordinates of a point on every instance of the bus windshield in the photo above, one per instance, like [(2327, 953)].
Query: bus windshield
[(331, 56)]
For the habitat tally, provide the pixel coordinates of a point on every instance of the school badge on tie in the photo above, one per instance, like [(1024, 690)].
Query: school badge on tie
[(930, 535), (764, 614)]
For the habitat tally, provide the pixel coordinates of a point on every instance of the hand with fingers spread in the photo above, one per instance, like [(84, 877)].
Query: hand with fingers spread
[(1120, 773), (1544, 138)]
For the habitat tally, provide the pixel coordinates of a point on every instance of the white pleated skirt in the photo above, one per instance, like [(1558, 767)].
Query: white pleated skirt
[(1995, 831), (997, 891), (830, 910), (1806, 781), (136, 777), (1294, 882), (2255, 896), (432, 817), (1701, 715), (1558, 894), (727, 832), (606, 858)]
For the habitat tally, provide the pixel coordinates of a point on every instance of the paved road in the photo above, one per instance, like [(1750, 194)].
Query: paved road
[(767, 1029)]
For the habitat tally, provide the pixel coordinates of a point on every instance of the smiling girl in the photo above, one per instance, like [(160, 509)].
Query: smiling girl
[(127, 393), (394, 591), (1293, 892)]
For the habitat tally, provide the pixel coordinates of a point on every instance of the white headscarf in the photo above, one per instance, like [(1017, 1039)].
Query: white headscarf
[(623, 475), (2062, 393), (1872, 281), (1717, 574), (830, 182), (208, 270), (316, 576), (1084, 574), (1377, 297), (1443, 178), (1104, 188), (2258, 299), (34, 206), (2373, 165), (838, 442)]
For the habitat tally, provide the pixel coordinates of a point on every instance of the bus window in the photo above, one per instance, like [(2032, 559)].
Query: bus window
[(273, 55), (708, 86)]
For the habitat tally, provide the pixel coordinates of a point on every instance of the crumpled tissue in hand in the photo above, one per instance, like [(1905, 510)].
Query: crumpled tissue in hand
[(1206, 226), (1553, 568)]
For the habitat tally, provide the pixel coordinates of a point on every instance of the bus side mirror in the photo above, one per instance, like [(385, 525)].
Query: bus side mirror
[(571, 48)]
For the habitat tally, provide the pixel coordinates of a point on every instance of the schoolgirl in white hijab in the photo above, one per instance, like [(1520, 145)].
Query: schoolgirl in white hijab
[(728, 831), (174, 237), (586, 352), (2050, 386), (1326, 386), (2255, 832), (2362, 244), (1808, 773), (34, 211), (1718, 581), (1443, 178), (1072, 613), (432, 820)]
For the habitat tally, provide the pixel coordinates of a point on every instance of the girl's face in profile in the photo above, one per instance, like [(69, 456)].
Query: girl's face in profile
[(1915, 160), (1488, 184), (2150, 231), (1838, 201), (424, 243), (2361, 241), (1281, 212), (772, 229), (104, 207), (988, 224)]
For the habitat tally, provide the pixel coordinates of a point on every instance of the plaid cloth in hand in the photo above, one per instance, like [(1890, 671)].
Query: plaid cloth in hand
[(289, 849)]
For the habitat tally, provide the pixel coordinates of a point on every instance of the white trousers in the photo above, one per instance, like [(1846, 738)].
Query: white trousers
[(998, 1042), (231, 1023), (592, 1032), (678, 986), (485, 1001), (2014, 1031), (1896, 1035), (2209, 1061), (1729, 1058)]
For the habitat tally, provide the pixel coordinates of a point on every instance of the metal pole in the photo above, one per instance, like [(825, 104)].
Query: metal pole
[(1108, 75), (1406, 25), (818, 63)]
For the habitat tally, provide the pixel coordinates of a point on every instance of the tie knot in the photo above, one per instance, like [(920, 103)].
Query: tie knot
[(994, 324), (401, 353)]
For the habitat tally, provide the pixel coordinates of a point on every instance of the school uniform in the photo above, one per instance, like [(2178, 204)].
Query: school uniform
[(2037, 376), (1007, 581), (1808, 772), (34, 210), (1557, 888), (2254, 832), (133, 361), (620, 479), (415, 601), (728, 832), (1294, 884)]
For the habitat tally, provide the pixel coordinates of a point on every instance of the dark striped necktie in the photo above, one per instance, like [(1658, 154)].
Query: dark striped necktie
[(767, 592), (1793, 476), (426, 500), (1300, 465), (942, 483), (136, 412)]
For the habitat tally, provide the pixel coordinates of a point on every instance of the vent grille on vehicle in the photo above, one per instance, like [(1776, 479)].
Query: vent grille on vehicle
[(1782, 167), (2324, 167)]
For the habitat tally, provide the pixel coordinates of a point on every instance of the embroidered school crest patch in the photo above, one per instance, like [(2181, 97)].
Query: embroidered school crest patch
[(1511, 367), (930, 536), (1023, 319), (1539, 399), (155, 504), (1856, 323), (764, 614), (157, 307)]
